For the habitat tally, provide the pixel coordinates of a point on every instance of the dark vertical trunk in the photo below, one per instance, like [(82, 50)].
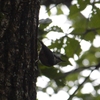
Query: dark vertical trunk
[(18, 49)]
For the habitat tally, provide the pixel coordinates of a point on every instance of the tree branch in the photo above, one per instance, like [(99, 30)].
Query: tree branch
[(79, 86), (93, 67)]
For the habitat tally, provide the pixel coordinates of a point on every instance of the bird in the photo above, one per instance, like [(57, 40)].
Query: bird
[(47, 57)]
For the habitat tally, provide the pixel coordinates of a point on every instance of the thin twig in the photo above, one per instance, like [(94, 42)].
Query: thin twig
[(75, 71), (79, 86)]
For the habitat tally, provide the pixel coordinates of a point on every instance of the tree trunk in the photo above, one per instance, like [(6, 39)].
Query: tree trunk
[(18, 49)]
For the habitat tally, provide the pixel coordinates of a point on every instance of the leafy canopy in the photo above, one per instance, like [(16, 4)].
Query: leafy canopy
[(70, 46)]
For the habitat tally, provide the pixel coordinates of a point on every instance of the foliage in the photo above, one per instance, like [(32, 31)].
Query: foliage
[(83, 28)]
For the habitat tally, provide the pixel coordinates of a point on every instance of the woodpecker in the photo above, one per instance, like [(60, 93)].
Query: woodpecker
[(47, 57)]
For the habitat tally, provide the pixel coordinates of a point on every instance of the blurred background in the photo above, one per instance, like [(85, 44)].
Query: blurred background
[(70, 28)]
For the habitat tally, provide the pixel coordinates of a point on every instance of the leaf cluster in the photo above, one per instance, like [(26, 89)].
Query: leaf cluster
[(83, 28)]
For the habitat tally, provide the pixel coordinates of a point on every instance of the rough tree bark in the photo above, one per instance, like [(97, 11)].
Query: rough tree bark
[(18, 49)]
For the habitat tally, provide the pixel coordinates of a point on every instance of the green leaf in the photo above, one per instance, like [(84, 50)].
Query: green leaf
[(72, 77), (60, 82), (48, 10), (95, 21), (89, 56), (73, 47), (83, 4), (58, 43), (59, 10), (53, 73), (66, 61), (73, 11), (89, 36), (78, 20), (79, 32)]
